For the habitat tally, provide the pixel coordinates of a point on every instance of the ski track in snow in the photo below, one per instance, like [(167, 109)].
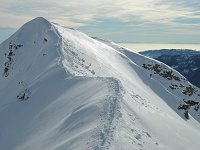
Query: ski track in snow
[(104, 133), (109, 118), (59, 45)]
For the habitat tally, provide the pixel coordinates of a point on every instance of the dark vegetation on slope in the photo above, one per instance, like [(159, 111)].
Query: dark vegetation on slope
[(186, 90), (7, 65), (168, 74), (24, 95), (187, 62)]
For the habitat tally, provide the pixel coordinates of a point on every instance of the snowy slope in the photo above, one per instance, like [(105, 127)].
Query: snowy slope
[(184, 61), (61, 89)]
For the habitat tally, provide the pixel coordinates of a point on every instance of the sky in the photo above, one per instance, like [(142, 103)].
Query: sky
[(131, 21)]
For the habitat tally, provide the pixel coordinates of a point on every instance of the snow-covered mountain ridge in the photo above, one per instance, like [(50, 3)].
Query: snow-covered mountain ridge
[(61, 89)]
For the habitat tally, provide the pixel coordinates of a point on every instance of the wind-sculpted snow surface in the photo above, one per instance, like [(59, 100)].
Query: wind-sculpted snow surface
[(61, 89)]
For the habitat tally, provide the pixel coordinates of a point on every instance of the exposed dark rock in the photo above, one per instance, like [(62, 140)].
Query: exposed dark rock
[(188, 104), (196, 108), (45, 40), (6, 73), (186, 114), (24, 95), (184, 106), (158, 69), (189, 90), (191, 102), (10, 55)]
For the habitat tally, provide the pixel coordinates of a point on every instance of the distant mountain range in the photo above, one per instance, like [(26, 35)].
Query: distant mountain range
[(187, 62)]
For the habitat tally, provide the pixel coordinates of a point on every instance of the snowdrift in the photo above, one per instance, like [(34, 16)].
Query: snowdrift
[(61, 89)]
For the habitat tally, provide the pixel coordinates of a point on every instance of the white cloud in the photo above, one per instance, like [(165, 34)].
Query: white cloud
[(79, 12)]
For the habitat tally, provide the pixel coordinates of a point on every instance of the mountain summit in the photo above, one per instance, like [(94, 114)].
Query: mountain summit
[(61, 89)]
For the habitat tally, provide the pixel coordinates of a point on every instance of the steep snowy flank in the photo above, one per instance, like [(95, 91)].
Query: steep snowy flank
[(184, 61), (61, 89)]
